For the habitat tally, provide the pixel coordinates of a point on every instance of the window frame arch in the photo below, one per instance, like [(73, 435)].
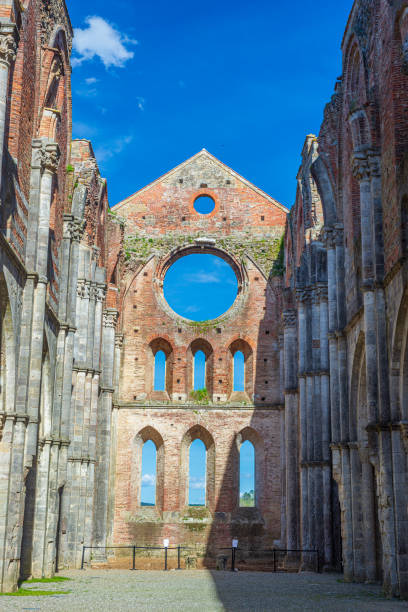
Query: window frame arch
[(197, 432), (248, 433), (156, 345), (245, 348), (200, 344), (144, 435)]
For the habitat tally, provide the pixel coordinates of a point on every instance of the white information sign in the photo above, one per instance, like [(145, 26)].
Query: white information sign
[(166, 543), (234, 543)]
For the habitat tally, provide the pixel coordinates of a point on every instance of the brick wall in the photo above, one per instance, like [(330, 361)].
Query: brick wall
[(245, 229)]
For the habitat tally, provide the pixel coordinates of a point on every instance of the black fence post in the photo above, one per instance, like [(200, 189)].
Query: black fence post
[(232, 559), (317, 561), (178, 557), (134, 558), (165, 559), (83, 557), (274, 560)]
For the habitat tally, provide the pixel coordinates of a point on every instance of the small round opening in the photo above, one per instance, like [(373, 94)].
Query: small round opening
[(204, 205)]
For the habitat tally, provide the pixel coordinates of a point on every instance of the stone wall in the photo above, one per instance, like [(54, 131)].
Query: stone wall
[(346, 267)]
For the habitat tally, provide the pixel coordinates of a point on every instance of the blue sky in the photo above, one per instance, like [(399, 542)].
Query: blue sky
[(153, 83), (200, 287)]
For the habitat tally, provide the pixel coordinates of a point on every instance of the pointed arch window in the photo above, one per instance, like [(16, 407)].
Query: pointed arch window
[(159, 371), (159, 375), (247, 475), (241, 368), (148, 474), (239, 371), (197, 473), (199, 370)]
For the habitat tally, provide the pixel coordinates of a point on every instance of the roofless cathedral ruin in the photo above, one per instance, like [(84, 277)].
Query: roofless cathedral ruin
[(320, 319)]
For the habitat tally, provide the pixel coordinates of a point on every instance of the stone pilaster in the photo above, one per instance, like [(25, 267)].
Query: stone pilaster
[(291, 429), (110, 317)]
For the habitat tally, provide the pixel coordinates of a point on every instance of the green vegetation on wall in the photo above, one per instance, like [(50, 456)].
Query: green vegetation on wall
[(265, 250)]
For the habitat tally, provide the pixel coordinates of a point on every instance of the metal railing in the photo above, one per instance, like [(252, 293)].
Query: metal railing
[(276, 553), (134, 549)]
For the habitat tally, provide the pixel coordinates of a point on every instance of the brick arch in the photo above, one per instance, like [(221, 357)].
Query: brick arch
[(355, 74), (155, 345), (200, 344), (241, 344), (253, 436), (144, 435), (197, 432)]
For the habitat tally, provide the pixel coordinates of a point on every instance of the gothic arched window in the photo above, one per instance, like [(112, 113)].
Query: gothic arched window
[(247, 475)]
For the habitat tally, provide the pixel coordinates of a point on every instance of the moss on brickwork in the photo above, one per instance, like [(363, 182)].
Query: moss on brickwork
[(196, 518), (200, 396), (116, 218), (265, 250)]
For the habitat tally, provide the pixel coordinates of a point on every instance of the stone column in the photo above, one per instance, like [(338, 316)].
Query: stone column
[(9, 37), (291, 434), (110, 317), (362, 173), (116, 377), (302, 343), (367, 497), (326, 426), (332, 314)]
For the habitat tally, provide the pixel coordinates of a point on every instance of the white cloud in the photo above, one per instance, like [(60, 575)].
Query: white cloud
[(103, 40), (197, 483), (192, 308), (148, 480), (91, 81), (105, 153), (87, 92), (202, 277), (140, 103)]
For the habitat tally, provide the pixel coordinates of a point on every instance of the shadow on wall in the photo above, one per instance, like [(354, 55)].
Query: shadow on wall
[(259, 527)]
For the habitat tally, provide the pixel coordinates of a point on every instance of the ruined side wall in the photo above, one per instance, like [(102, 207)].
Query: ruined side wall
[(205, 529)]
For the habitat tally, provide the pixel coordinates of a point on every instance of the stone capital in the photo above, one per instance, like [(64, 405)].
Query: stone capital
[(50, 156), (100, 293), (329, 237), (9, 38), (110, 317), (81, 288), (74, 229), (289, 318), (323, 292), (360, 166), (374, 162), (119, 340), (338, 235), (95, 253), (302, 296)]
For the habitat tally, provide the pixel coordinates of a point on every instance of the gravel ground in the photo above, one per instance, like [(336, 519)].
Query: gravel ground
[(122, 590)]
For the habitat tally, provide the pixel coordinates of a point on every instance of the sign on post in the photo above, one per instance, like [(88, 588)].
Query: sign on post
[(166, 543), (234, 543)]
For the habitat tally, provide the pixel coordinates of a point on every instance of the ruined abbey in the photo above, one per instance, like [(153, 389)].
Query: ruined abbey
[(321, 319)]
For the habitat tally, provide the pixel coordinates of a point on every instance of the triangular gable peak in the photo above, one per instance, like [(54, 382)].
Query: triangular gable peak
[(202, 163)]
